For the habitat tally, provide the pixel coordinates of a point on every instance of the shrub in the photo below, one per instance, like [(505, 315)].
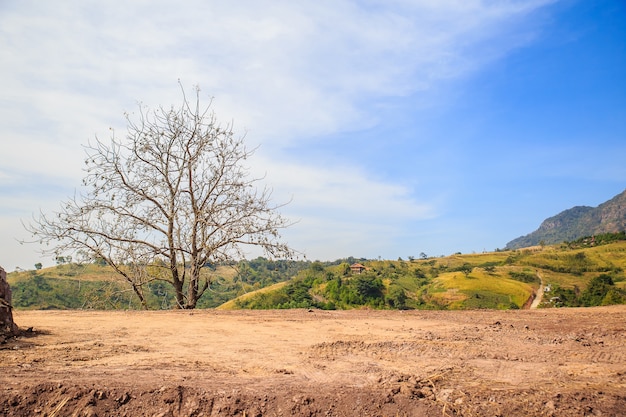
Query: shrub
[(396, 297)]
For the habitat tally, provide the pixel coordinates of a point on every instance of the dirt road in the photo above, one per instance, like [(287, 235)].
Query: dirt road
[(539, 296), (565, 362)]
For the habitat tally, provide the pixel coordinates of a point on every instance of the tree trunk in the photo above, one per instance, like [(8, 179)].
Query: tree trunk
[(192, 290), (7, 326), (178, 291)]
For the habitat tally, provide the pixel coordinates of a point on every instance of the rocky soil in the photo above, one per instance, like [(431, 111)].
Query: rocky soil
[(553, 362)]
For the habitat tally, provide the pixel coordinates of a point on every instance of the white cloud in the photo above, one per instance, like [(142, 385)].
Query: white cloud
[(286, 71), (347, 191)]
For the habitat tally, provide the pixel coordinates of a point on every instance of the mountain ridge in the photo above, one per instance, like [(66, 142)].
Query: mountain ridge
[(577, 222)]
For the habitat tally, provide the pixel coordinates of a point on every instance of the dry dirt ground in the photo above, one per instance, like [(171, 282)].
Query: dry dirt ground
[(557, 362)]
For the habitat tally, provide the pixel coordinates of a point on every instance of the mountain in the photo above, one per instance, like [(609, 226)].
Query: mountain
[(577, 222)]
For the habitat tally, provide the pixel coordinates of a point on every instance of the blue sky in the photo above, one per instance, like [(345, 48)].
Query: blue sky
[(394, 127)]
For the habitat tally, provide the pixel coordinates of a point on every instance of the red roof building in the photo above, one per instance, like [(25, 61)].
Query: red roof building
[(357, 268)]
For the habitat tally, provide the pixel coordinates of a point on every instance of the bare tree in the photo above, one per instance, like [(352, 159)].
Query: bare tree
[(171, 197)]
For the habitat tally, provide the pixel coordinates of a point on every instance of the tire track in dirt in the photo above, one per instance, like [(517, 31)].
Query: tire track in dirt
[(562, 362)]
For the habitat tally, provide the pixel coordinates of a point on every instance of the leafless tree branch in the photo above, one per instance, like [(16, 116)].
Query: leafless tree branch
[(172, 195)]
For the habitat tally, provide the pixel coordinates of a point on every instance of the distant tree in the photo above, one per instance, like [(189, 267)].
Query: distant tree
[(317, 266), (344, 269), (396, 297), (614, 296), (38, 266), (368, 287), (423, 255), (597, 290), (418, 273), (100, 261), (467, 269), (170, 197), (490, 269)]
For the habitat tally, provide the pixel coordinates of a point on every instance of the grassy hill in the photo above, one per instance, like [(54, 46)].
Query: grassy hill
[(576, 274), (98, 287), (235, 304), (584, 272)]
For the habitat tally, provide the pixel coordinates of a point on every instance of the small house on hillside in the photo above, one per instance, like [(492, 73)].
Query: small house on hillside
[(357, 268)]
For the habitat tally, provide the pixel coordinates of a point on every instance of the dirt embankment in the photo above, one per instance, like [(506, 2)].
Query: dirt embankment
[(565, 362)]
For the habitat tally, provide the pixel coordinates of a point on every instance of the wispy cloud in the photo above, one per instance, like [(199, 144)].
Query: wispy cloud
[(287, 72)]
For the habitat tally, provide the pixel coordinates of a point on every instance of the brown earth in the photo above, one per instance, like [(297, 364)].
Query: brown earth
[(552, 362)]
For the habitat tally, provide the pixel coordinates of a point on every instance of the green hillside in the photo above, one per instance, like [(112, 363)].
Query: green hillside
[(589, 271), (71, 286), (576, 274), (235, 303)]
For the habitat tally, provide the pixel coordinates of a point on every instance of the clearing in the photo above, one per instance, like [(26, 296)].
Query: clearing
[(545, 362)]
